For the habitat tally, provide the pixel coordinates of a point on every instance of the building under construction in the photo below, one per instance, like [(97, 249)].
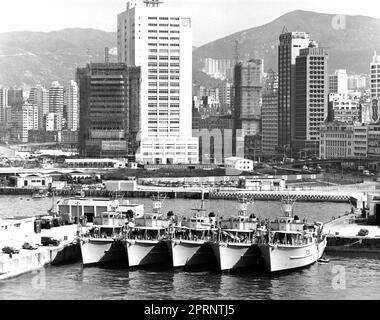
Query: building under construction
[(109, 109)]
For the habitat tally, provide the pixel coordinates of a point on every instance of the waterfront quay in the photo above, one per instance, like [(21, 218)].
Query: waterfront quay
[(27, 260), (357, 231)]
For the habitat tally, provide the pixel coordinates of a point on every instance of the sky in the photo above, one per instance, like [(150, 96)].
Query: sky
[(212, 19)]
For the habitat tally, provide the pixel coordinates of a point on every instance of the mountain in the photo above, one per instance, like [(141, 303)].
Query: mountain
[(27, 58), (351, 47)]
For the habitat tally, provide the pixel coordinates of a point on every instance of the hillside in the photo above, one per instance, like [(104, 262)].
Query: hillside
[(27, 58), (350, 48)]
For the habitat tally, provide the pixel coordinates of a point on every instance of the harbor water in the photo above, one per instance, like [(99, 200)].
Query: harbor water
[(344, 277)]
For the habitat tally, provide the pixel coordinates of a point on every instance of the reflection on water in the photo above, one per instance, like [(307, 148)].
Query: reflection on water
[(362, 281), (362, 273)]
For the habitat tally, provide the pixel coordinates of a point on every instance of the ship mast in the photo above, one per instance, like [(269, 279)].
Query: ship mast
[(287, 206)]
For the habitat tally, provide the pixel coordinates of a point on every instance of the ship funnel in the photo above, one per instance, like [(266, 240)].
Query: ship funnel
[(211, 216)]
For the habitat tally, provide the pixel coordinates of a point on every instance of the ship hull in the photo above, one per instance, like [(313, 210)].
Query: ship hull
[(283, 257), (187, 253), (101, 251), (235, 255), (145, 252)]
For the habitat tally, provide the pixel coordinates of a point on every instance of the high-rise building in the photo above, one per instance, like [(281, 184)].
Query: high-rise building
[(15, 97), (269, 114), (56, 98), (338, 82), (247, 96), (159, 40), (356, 82), (40, 96), (290, 45), (375, 88), (53, 122), (374, 141), (311, 106), (3, 97), (22, 120), (225, 97), (72, 106), (342, 140), (3, 105), (105, 94), (344, 109)]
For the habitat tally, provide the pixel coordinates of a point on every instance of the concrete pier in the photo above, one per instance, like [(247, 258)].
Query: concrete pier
[(344, 234), (30, 260)]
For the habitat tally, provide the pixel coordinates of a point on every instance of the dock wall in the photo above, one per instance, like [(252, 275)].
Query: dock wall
[(31, 260)]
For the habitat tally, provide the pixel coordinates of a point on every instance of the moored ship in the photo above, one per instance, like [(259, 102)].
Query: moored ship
[(189, 243), (102, 243), (236, 245), (143, 242), (292, 243), (100, 239)]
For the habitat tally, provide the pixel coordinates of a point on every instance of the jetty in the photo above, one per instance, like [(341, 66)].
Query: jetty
[(16, 231), (357, 231)]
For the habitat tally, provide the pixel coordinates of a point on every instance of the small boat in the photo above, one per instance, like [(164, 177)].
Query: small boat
[(323, 260), (292, 243), (235, 246), (40, 194), (144, 240)]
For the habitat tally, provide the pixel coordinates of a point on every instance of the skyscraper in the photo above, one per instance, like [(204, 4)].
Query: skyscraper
[(72, 106), (269, 114), (159, 40), (56, 98), (3, 105), (311, 97), (375, 88), (40, 96), (23, 119), (247, 96), (15, 97), (290, 45), (338, 82), (105, 93)]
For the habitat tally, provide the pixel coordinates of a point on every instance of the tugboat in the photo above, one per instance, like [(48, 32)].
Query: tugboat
[(144, 239), (292, 243), (189, 243), (235, 246)]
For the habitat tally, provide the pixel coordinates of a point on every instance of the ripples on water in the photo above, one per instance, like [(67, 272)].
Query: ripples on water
[(314, 282)]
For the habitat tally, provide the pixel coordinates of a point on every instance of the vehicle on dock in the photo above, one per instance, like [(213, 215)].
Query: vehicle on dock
[(144, 238), (292, 243), (30, 246), (50, 241), (10, 250), (235, 245), (190, 242)]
